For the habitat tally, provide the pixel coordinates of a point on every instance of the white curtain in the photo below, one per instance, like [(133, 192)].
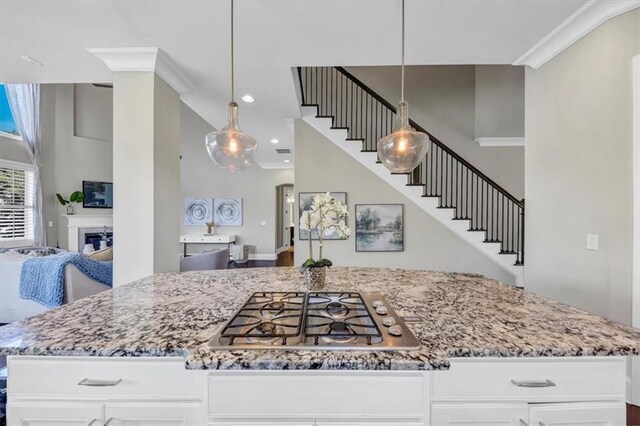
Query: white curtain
[(24, 101)]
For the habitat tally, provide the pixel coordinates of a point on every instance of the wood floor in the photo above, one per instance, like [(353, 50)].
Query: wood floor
[(633, 415)]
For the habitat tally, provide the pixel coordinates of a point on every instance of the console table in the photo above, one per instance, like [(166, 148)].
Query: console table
[(206, 239)]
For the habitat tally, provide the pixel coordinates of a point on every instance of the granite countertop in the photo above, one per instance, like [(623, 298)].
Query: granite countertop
[(464, 315)]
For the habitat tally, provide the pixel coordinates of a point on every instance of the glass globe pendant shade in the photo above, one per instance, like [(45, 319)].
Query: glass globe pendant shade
[(229, 148), (402, 150)]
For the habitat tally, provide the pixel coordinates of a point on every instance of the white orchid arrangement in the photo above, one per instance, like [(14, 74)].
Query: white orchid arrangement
[(325, 216)]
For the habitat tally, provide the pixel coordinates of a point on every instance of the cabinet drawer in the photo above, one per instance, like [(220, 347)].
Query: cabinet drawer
[(314, 394), (540, 379), (137, 377)]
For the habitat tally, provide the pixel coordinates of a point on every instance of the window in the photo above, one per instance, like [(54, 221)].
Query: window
[(16, 202), (8, 126)]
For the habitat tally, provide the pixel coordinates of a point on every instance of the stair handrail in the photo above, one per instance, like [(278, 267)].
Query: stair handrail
[(433, 138)]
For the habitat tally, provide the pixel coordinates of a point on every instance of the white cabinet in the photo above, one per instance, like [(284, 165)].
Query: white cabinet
[(582, 414), (59, 414), (554, 414), (467, 414), (262, 423), (161, 414)]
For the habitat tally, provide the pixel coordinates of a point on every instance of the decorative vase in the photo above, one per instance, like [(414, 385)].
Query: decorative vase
[(103, 244), (88, 248), (69, 209), (315, 277)]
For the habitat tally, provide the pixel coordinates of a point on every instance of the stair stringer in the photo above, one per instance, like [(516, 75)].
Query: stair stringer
[(414, 194)]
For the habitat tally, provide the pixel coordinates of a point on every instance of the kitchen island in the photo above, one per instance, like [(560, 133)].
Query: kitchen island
[(490, 352)]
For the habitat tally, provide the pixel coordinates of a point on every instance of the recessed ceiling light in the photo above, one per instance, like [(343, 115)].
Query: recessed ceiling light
[(30, 59), (287, 161), (248, 98), (274, 140)]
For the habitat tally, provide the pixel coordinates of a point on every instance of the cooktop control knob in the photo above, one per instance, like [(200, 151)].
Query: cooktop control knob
[(382, 310), (378, 303), (395, 330), (389, 321)]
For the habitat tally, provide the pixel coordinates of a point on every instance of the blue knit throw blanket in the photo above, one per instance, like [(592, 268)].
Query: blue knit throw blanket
[(42, 278)]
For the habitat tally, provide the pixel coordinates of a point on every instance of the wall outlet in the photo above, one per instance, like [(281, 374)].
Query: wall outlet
[(592, 241), (50, 224)]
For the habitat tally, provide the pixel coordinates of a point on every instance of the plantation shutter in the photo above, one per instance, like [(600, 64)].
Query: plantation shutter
[(16, 202)]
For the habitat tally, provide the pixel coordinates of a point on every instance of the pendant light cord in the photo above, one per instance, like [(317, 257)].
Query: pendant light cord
[(233, 91), (402, 66)]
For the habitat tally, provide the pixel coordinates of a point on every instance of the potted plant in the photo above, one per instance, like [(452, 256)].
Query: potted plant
[(75, 197), (325, 216)]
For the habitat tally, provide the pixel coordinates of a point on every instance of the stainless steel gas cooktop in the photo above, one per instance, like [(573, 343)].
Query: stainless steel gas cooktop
[(315, 320)]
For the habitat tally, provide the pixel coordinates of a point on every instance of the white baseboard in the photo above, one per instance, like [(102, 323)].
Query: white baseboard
[(263, 256)]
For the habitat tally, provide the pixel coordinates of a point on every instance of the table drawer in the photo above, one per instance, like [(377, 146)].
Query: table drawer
[(531, 379), (101, 377), (313, 394)]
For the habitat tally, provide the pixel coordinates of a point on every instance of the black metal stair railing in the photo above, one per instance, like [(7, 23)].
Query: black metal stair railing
[(444, 174)]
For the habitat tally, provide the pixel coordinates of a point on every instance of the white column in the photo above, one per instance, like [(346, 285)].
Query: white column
[(146, 176)]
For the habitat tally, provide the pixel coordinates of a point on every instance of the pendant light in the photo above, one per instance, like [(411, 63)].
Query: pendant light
[(402, 150), (229, 148)]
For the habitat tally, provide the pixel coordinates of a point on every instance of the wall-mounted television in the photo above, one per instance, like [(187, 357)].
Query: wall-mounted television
[(97, 195)]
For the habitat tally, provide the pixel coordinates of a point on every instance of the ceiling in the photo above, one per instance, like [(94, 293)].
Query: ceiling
[(271, 37)]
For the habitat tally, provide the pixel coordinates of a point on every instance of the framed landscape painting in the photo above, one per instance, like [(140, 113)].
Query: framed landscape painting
[(379, 227), (305, 199)]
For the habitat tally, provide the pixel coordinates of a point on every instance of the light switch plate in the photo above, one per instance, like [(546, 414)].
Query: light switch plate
[(592, 241), (50, 224)]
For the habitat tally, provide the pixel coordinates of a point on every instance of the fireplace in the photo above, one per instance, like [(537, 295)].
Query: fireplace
[(94, 239), (91, 235)]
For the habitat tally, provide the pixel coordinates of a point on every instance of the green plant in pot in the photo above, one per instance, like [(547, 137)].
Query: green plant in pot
[(325, 216), (75, 197)]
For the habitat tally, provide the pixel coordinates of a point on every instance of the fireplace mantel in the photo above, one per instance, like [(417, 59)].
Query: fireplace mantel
[(77, 221)]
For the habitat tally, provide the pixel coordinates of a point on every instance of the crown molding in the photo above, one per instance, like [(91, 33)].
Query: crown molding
[(273, 166), (144, 59), (586, 19), (499, 142)]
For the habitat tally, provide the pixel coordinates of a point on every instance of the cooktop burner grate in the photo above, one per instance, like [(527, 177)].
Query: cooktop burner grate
[(266, 318), (339, 318)]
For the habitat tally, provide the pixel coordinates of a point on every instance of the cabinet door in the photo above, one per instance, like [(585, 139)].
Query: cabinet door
[(34, 414), (466, 414), (579, 413), (153, 414)]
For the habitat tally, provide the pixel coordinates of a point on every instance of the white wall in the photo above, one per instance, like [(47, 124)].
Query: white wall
[(201, 178), (442, 99), (579, 171), (499, 101), (322, 166), (93, 112), (78, 158)]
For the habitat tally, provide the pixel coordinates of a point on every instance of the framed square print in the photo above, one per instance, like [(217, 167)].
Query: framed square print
[(379, 227)]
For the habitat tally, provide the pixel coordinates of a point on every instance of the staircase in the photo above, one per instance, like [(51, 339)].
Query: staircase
[(445, 185)]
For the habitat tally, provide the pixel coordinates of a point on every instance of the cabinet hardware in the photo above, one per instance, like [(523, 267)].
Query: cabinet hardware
[(523, 423), (541, 424), (546, 384), (94, 382), (92, 422), (109, 420)]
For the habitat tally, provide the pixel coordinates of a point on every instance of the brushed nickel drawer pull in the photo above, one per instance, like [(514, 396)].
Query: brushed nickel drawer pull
[(92, 422), (546, 384), (109, 420), (523, 423), (99, 383)]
